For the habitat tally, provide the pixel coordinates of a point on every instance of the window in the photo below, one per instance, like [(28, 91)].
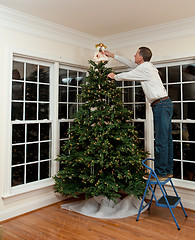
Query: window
[(134, 100), (70, 82), (179, 80), (31, 122)]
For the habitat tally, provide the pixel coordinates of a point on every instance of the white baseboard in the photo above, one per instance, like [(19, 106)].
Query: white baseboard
[(29, 206)]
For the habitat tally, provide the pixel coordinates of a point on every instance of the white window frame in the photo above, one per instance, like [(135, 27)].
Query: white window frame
[(54, 64), (23, 188), (184, 184)]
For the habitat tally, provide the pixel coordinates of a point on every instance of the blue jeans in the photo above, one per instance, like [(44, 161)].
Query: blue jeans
[(162, 113)]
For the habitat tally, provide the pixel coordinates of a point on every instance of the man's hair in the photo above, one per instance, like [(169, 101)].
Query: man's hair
[(146, 53)]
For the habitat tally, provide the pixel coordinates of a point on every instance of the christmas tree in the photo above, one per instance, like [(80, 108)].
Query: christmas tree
[(102, 156)]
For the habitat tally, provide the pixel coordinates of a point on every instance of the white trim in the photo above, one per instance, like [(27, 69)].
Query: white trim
[(170, 30), (20, 21), (30, 206), (28, 188)]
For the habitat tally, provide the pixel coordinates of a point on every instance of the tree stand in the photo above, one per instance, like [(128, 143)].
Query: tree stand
[(165, 200)]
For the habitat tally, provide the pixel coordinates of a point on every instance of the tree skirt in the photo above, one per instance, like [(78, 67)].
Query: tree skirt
[(101, 207)]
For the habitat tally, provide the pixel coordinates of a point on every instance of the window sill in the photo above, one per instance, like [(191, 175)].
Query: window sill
[(19, 191), (188, 185)]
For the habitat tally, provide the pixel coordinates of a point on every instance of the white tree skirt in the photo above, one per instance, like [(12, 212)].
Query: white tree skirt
[(101, 207)]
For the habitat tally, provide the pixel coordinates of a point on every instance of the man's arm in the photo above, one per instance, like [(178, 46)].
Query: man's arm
[(138, 74), (121, 59)]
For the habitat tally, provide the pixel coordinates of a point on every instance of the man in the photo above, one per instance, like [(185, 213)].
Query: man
[(162, 106)]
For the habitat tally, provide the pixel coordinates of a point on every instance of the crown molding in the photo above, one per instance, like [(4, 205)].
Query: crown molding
[(20, 21), (170, 30)]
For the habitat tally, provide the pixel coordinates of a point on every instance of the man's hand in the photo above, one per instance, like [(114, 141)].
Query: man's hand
[(109, 54), (111, 75)]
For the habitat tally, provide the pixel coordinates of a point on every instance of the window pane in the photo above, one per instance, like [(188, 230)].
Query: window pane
[(18, 70), (188, 131), (137, 83), (174, 74), (82, 78), (188, 151), (162, 73), (32, 132), (175, 92), (72, 94), (79, 97), (32, 152), (44, 93), (176, 110), (176, 150), (191, 131), (140, 111), (141, 143), (189, 110), (118, 83), (73, 76), (44, 151), (139, 95), (18, 133), (62, 94), (63, 76), (31, 92), (128, 95), (31, 172), (62, 111), (72, 109), (18, 154), (189, 91), (43, 74), (31, 72), (45, 169), (17, 111), (126, 83), (177, 169), (176, 131), (129, 107), (189, 171), (45, 131), (17, 91), (17, 175), (64, 126), (30, 111), (188, 73), (139, 127), (43, 111)]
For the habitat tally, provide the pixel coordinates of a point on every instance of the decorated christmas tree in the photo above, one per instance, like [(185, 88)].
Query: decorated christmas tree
[(102, 156)]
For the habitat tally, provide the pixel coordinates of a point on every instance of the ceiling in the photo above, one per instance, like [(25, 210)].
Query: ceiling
[(105, 17)]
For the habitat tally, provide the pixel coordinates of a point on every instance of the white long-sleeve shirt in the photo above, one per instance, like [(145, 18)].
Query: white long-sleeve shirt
[(147, 74)]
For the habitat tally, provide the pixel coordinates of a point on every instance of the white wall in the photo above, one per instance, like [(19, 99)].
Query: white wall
[(164, 50)]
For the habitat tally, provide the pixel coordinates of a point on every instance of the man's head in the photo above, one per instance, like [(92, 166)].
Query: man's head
[(143, 54)]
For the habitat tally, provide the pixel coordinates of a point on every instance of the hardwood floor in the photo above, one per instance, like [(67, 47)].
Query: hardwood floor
[(53, 223)]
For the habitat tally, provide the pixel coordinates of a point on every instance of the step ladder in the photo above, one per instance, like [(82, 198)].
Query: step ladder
[(165, 200)]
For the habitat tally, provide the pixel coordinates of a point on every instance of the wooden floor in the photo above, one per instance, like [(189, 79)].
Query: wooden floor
[(53, 223)]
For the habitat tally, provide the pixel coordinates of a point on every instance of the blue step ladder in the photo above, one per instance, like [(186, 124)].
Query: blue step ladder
[(165, 200)]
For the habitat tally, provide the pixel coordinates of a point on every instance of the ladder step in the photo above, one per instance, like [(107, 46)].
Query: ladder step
[(172, 200)]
